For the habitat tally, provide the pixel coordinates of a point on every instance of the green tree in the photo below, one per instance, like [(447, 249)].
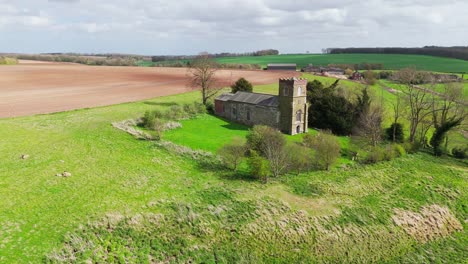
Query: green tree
[(328, 110), (270, 144), (258, 166), (327, 148), (395, 133), (242, 85), (233, 153), (301, 157)]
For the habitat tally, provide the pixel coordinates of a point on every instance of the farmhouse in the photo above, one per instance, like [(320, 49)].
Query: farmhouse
[(356, 76), (286, 112), (282, 67), (323, 70)]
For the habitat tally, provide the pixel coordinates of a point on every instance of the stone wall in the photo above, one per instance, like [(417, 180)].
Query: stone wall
[(249, 114)]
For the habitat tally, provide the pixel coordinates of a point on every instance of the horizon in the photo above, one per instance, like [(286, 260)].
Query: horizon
[(166, 28)]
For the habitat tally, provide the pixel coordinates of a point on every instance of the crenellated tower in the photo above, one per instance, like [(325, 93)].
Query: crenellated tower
[(293, 106)]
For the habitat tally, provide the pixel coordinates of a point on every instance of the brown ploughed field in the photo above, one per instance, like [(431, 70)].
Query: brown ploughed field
[(43, 87)]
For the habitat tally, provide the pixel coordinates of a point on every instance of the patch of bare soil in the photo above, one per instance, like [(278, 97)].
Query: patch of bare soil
[(46, 87), (432, 222)]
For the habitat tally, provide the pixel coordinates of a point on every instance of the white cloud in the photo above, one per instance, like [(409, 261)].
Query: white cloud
[(185, 26)]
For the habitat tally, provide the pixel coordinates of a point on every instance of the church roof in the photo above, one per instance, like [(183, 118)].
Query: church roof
[(251, 98)]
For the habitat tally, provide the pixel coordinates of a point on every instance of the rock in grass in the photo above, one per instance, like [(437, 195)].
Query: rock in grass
[(65, 174)]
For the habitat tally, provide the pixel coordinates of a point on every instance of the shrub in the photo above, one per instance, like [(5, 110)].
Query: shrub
[(398, 129), (327, 148), (412, 147), (148, 120), (385, 74), (376, 154), (199, 108), (460, 152), (389, 153), (175, 112), (301, 158), (258, 166), (370, 77), (232, 153), (270, 144), (210, 107), (399, 150)]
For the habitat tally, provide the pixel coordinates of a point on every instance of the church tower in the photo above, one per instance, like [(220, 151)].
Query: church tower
[(293, 106)]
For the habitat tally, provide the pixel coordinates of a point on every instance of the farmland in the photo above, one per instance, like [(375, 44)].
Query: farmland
[(390, 61), (45, 87), (129, 184)]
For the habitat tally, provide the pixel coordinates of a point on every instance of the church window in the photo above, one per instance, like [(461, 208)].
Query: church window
[(299, 115)]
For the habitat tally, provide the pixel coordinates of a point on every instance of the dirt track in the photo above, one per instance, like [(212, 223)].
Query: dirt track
[(38, 88)]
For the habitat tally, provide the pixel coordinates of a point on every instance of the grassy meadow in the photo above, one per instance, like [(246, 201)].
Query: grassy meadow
[(390, 61), (131, 201)]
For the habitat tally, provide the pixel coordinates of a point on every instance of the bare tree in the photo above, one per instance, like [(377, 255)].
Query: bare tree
[(202, 73), (369, 126), (417, 98)]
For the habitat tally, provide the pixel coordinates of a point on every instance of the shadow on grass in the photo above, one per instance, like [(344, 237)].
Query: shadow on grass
[(231, 124), (167, 104), (215, 166)]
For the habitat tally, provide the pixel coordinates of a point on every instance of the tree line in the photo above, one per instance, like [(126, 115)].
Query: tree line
[(457, 52), (162, 58), (113, 60)]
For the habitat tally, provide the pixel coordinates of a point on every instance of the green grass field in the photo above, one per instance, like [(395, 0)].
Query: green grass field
[(390, 61), (210, 215)]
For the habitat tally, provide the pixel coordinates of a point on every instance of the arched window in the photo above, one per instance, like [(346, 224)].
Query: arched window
[(299, 91), (299, 115), (285, 91)]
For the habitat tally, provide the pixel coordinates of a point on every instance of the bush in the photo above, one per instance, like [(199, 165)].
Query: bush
[(210, 108), (376, 154), (148, 120), (412, 147), (385, 75), (370, 77), (258, 166), (399, 136), (176, 112), (389, 153), (232, 153), (199, 108), (326, 146), (194, 109), (270, 144), (399, 150), (460, 152)]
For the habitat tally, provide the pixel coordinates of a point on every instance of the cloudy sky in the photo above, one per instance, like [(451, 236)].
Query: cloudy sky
[(189, 26)]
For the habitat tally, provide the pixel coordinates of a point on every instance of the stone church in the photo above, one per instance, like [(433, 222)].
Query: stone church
[(286, 112)]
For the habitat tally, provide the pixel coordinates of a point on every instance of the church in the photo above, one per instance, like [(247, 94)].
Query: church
[(286, 111)]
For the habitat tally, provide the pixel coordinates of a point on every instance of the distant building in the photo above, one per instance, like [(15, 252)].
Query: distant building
[(286, 112), (356, 76), (282, 67), (323, 70)]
